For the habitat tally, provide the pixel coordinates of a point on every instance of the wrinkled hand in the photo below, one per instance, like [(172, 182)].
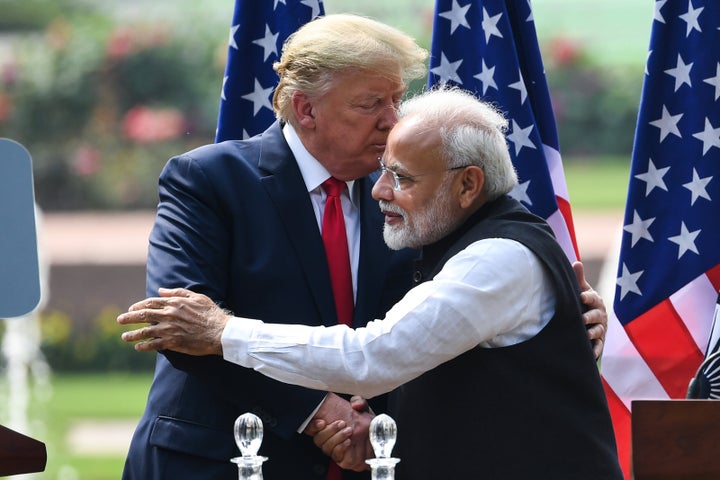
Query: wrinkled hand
[(341, 430), (596, 319), (179, 320)]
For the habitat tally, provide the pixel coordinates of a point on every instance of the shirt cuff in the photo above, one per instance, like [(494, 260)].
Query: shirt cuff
[(235, 339), (304, 425)]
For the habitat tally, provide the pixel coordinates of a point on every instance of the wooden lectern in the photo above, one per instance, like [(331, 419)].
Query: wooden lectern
[(676, 439), (20, 454)]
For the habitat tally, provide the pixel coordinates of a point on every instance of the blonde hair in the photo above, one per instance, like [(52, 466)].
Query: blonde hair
[(338, 43), (472, 133)]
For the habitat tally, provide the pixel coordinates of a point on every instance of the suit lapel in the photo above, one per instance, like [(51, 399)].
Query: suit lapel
[(286, 188)]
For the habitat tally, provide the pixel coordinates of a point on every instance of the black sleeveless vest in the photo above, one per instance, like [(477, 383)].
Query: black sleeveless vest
[(535, 410)]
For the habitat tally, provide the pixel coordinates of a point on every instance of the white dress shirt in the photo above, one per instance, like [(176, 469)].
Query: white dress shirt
[(314, 174), (494, 293)]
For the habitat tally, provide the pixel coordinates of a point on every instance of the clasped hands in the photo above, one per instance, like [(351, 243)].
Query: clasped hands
[(345, 440)]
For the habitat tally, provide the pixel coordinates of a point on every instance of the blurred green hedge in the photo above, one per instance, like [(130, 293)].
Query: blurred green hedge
[(69, 347), (595, 105)]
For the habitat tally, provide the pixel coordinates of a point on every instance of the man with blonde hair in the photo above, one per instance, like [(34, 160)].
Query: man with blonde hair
[(486, 357)]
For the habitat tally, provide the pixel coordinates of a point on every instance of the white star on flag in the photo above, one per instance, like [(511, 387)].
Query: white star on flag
[(697, 187), (691, 18), (667, 124), (681, 72), (222, 91), (653, 177), (520, 194), (715, 81), (268, 43), (489, 25), (685, 240), (639, 228), (628, 282), (447, 71), (260, 97), (520, 137), (232, 42), (520, 86), (658, 6), (710, 137), (457, 16), (486, 76)]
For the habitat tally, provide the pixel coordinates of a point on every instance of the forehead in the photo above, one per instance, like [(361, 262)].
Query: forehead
[(413, 142), (365, 83)]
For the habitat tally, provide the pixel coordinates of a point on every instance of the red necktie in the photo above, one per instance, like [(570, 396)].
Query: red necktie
[(336, 250), (338, 258)]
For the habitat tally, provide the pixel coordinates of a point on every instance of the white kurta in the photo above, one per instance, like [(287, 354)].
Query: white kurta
[(492, 294)]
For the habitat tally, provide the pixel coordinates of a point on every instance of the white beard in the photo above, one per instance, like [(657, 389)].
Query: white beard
[(428, 226)]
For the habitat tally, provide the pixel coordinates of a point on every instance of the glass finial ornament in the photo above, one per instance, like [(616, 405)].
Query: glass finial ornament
[(383, 434), (248, 437)]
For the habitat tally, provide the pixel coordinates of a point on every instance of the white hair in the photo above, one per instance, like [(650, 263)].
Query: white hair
[(472, 132)]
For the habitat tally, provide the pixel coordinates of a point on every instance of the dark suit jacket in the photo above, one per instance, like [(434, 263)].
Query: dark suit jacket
[(235, 222)]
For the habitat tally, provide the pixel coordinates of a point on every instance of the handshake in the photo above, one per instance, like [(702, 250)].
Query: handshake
[(341, 430)]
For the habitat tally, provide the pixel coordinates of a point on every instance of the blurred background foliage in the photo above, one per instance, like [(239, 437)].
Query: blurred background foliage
[(96, 347), (102, 95), (102, 101)]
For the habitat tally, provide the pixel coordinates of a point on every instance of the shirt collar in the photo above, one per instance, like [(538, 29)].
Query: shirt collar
[(312, 171)]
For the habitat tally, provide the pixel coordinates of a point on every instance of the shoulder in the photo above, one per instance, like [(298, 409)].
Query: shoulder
[(501, 261), (231, 153)]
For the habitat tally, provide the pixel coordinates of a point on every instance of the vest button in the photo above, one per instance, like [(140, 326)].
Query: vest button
[(417, 276)]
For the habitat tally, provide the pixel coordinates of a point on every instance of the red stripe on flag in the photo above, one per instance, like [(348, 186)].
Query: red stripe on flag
[(621, 424), (662, 339), (566, 212), (714, 275)]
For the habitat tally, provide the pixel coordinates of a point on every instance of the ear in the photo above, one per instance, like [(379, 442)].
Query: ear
[(303, 110), (471, 187)]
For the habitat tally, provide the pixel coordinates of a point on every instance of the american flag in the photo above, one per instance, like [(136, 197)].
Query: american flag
[(668, 274), (490, 47), (259, 29)]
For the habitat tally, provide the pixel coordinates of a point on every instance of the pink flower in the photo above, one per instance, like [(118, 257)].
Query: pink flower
[(564, 51), (147, 125), (87, 161), (120, 44)]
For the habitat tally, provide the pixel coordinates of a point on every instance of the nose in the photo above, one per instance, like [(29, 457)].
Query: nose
[(383, 188), (388, 118)]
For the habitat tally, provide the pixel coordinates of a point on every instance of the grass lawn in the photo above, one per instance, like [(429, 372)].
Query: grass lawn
[(597, 184)]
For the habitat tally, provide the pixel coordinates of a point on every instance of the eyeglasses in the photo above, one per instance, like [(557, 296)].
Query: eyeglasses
[(399, 178)]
